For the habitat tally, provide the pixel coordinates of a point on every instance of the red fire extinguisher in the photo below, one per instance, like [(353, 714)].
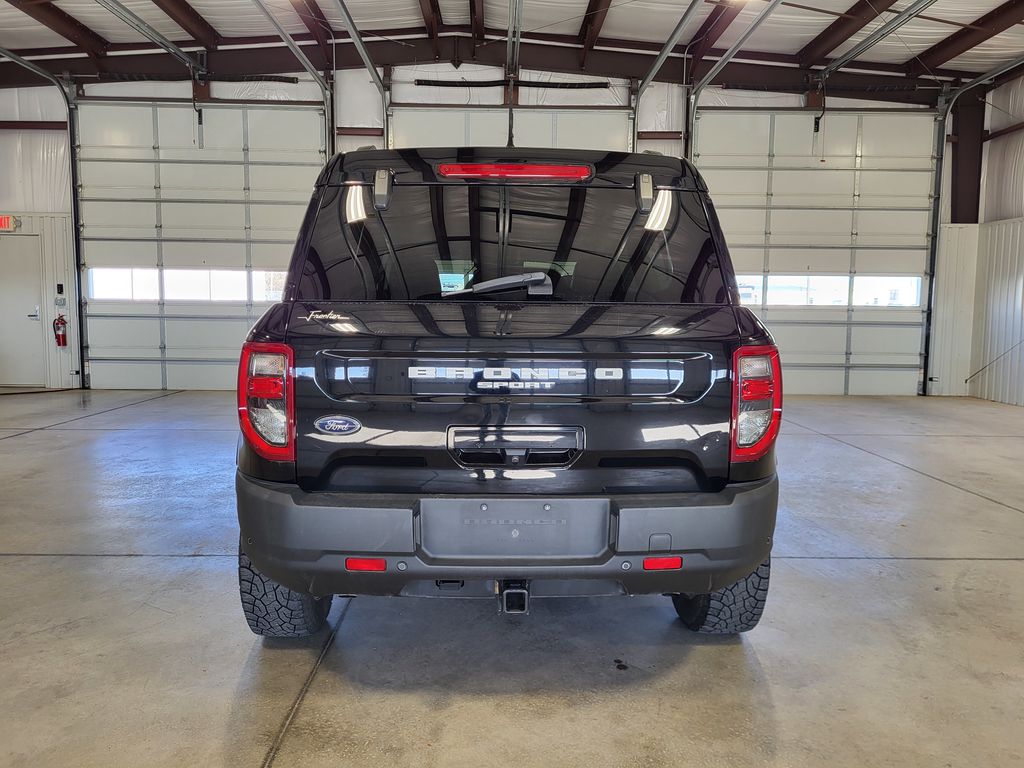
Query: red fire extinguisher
[(60, 331)]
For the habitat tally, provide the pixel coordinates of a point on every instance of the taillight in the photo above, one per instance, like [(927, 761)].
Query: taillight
[(514, 171), (757, 401), (266, 399)]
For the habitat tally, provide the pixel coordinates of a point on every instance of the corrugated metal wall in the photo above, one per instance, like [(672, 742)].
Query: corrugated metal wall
[(953, 315), (999, 313)]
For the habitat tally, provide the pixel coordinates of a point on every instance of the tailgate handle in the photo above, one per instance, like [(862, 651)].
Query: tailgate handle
[(515, 446)]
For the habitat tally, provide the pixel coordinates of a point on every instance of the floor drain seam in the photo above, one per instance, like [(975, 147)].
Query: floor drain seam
[(275, 746)]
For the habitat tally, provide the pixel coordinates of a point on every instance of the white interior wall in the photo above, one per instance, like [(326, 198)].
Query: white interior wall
[(999, 313), (952, 334), (998, 322)]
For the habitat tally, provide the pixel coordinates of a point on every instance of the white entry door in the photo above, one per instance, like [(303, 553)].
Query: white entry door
[(22, 362)]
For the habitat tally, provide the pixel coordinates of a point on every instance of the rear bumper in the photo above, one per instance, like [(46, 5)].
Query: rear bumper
[(302, 540)]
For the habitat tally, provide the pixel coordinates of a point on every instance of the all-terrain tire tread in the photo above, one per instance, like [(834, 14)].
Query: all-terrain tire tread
[(732, 609), (272, 609)]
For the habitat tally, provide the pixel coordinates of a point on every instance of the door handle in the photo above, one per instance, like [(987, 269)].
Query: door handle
[(34, 315)]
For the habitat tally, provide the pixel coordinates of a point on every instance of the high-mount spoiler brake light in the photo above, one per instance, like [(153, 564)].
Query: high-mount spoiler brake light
[(525, 171)]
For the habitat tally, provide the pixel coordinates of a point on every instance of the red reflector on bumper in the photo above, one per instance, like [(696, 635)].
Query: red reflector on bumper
[(663, 563), (366, 564), (514, 171)]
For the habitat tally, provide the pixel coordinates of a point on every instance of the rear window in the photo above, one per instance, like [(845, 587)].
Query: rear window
[(434, 239)]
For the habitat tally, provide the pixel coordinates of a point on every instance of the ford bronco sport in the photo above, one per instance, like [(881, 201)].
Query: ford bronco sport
[(508, 373)]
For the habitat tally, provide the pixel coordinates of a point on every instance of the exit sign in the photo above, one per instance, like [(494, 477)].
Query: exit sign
[(8, 223)]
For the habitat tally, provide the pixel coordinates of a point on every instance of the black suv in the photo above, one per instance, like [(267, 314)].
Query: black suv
[(508, 373)]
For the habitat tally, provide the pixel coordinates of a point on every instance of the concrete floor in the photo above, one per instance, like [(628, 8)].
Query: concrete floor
[(894, 634)]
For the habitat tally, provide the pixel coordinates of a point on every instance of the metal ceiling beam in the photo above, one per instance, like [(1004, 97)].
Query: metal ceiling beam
[(64, 25), (877, 35), (714, 27), (514, 38), (667, 49), (190, 20), (728, 56), (991, 24), (140, 26), (476, 18), (590, 29), (539, 56), (316, 23), (841, 30), (432, 21)]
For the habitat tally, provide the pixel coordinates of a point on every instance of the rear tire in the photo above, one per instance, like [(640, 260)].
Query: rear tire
[(726, 611), (273, 610)]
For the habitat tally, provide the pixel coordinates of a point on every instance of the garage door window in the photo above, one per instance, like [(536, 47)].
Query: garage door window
[(809, 290), (124, 284), (267, 286), (751, 289), (886, 291), (205, 285)]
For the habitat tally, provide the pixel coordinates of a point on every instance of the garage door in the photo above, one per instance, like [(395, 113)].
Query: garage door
[(828, 230), (188, 221), (481, 127)]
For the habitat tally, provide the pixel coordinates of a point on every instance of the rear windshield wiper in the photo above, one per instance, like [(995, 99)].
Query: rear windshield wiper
[(536, 284)]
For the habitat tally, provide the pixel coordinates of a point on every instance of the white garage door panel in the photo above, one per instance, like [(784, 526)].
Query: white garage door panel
[(211, 255), (892, 227), (811, 341), (202, 181), (272, 256), (895, 188), (812, 381), (201, 375), (817, 261), (851, 200), (883, 382), (890, 340), (898, 136), (282, 182), (797, 145), (747, 260), (742, 227), (110, 128), (200, 220), (243, 179), (813, 188), (729, 187), (107, 253), (122, 180), (118, 219), (116, 375), (285, 133), (223, 129), (811, 227), (485, 129), (117, 337), (277, 221), (878, 261), (733, 138)]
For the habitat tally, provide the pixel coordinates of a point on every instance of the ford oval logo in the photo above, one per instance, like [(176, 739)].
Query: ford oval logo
[(337, 425)]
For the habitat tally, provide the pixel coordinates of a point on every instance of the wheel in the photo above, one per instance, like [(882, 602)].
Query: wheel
[(726, 611), (272, 609)]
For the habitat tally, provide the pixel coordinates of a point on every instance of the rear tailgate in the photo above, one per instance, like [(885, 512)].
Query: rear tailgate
[(503, 398)]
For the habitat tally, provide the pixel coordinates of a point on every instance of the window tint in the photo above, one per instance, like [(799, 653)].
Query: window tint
[(434, 239)]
